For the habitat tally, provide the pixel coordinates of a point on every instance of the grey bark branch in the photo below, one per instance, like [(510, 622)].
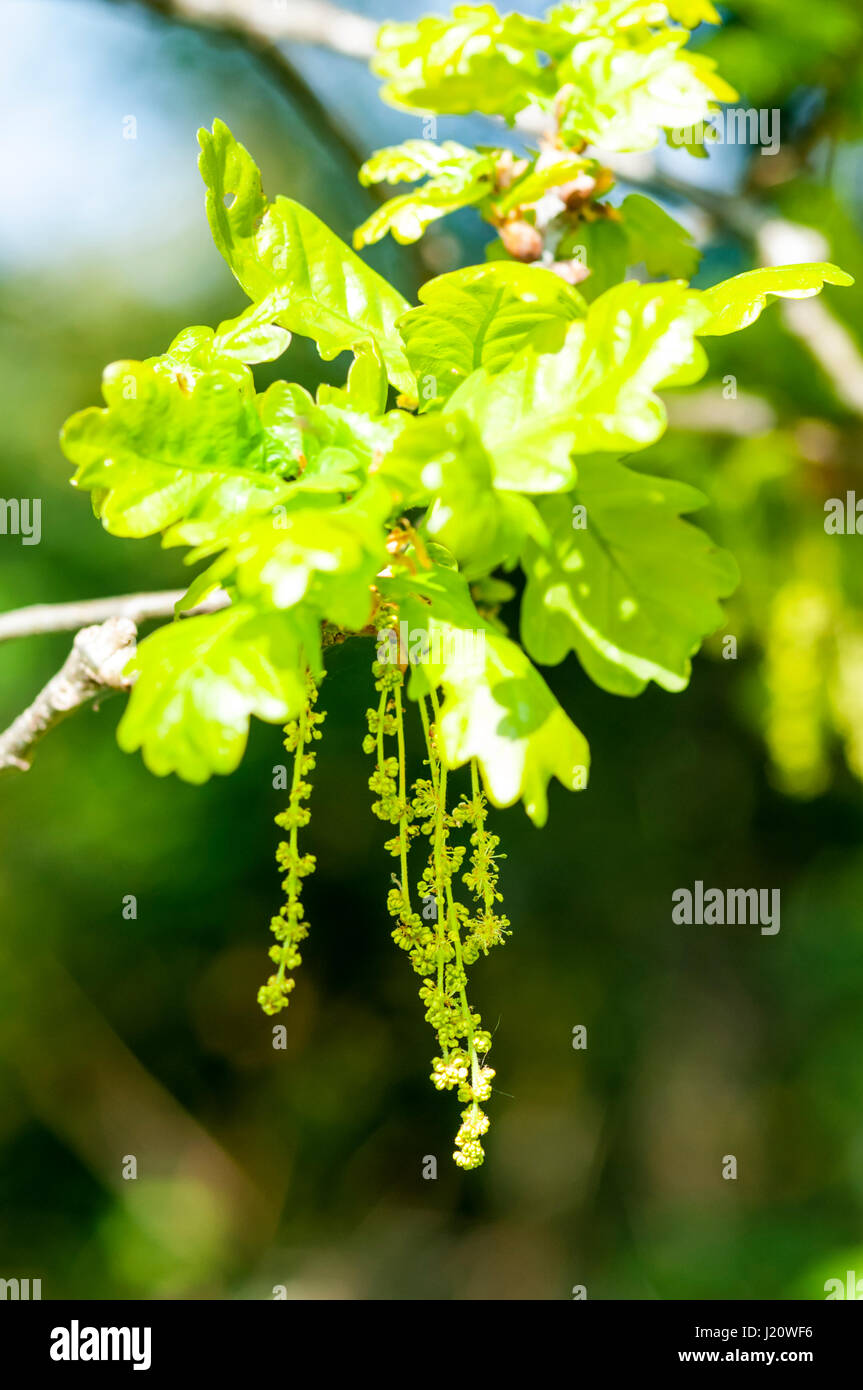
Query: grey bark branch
[(100, 653), (69, 617), (95, 666), (315, 22), (710, 412)]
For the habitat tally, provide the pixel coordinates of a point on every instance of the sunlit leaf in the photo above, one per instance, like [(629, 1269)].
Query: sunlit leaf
[(623, 581), (457, 177), (482, 317), (597, 392), (736, 303), (200, 679), (313, 284), (496, 706)]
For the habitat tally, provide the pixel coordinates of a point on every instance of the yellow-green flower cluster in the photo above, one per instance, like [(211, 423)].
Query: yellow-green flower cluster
[(444, 937), (487, 927), (290, 926)]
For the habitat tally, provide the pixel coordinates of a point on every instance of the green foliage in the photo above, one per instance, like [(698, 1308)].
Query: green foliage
[(198, 681), (354, 513), (477, 61), (295, 269), (497, 708), (615, 73), (596, 392), (737, 303), (654, 238), (179, 432), (621, 89), (483, 317), (457, 177), (635, 592)]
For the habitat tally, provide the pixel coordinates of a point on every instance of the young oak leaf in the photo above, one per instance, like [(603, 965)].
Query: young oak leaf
[(200, 679), (325, 559), (590, 18), (603, 248), (657, 240), (643, 233), (456, 177), (480, 526), (496, 706), (597, 392), (311, 282), (365, 390), (691, 13), (476, 61), (252, 336), (209, 512), (335, 443), (331, 450), (614, 72), (620, 98), (736, 303), (172, 432), (482, 317), (623, 581)]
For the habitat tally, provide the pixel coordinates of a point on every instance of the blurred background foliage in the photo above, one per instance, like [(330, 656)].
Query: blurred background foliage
[(303, 1167)]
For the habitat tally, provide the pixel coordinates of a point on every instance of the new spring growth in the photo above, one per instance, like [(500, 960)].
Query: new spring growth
[(447, 935), (290, 926)]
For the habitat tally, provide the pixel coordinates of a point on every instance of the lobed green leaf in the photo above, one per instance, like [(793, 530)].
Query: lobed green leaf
[(496, 707), (597, 392), (200, 679), (484, 316), (622, 580), (297, 271), (736, 303)]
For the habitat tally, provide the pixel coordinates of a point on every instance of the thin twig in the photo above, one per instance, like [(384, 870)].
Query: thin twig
[(69, 617), (247, 26), (95, 666), (710, 411), (314, 22)]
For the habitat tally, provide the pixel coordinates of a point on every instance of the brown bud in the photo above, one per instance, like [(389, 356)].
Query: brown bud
[(577, 190), (521, 240), (573, 272), (507, 169)]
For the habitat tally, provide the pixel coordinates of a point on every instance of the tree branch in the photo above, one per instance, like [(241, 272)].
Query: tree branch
[(69, 617), (100, 653), (315, 22), (823, 336), (94, 667), (709, 412)]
